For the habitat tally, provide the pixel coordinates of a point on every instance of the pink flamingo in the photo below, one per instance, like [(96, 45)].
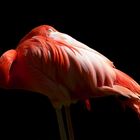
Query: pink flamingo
[(58, 66)]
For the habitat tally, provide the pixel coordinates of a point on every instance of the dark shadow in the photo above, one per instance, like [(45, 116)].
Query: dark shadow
[(31, 115)]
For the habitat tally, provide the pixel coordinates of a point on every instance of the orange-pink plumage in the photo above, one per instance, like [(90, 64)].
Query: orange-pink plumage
[(64, 69)]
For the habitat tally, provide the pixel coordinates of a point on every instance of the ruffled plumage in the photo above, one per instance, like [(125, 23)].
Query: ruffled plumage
[(67, 70)]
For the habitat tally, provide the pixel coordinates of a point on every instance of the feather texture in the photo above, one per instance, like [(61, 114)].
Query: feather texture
[(67, 70)]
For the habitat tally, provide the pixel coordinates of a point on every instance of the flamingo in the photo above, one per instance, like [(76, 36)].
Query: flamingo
[(65, 70)]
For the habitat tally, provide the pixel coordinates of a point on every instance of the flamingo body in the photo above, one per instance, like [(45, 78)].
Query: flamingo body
[(64, 69)]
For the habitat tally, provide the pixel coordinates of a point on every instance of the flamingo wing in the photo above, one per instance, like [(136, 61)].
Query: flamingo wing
[(106, 78)]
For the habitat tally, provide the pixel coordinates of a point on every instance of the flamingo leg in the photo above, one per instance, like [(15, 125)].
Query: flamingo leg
[(62, 131), (69, 123)]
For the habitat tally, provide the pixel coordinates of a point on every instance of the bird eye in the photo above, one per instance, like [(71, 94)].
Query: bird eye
[(50, 30)]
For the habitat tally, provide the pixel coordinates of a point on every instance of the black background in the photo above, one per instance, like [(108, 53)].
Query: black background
[(112, 29)]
